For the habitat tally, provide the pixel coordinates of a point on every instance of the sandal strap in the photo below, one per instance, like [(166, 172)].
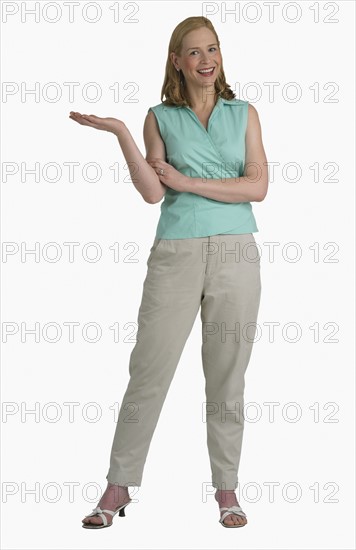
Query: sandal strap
[(232, 510), (99, 512), (109, 512)]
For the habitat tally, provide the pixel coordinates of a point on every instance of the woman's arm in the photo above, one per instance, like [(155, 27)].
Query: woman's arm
[(252, 186), (142, 174), (155, 148)]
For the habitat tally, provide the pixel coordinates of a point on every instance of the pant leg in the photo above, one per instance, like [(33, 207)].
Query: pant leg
[(170, 302), (229, 312)]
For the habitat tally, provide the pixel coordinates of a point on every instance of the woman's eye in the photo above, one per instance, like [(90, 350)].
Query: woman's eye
[(212, 48)]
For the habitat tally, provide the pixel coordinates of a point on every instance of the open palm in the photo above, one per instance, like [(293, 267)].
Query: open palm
[(108, 124)]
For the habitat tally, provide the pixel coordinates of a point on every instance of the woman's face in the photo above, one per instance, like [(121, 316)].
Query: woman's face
[(199, 51)]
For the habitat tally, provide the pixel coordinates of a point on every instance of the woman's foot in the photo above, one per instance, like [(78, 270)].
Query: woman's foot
[(225, 500), (114, 496)]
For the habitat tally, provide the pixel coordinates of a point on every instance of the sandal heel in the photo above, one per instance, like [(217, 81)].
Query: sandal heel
[(122, 511)]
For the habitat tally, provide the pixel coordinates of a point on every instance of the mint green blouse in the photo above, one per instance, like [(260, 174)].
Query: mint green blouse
[(212, 153)]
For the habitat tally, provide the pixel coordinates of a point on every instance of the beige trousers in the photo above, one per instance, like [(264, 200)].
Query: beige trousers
[(221, 275)]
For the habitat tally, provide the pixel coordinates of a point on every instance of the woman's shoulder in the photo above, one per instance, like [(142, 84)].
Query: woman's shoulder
[(157, 107), (163, 107)]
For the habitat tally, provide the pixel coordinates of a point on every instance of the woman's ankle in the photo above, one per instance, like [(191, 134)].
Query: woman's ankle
[(117, 488)]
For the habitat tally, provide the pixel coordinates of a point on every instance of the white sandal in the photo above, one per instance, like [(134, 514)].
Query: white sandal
[(98, 511), (232, 510)]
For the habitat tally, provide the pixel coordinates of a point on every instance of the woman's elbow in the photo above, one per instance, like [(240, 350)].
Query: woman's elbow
[(262, 195), (152, 200)]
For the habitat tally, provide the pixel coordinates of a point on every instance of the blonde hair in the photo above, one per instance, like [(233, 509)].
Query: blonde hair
[(173, 85)]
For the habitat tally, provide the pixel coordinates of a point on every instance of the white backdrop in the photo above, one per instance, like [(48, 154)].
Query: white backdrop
[(68, 197)]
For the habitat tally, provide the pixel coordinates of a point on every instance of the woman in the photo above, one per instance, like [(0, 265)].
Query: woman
[(203, 255)]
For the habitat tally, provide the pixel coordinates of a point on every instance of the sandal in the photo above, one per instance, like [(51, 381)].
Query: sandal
[(232, 510), (98, 511)]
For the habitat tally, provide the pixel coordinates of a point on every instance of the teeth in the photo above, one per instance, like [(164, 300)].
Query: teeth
[(206, 70)]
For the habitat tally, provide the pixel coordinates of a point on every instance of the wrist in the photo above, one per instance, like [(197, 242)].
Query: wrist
[(186, 184), (120, 129)]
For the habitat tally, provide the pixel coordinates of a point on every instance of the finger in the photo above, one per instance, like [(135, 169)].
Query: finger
[(76, 115), (85, 120)]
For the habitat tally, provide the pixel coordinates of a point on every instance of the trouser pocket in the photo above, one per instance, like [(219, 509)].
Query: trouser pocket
[(154, 247)]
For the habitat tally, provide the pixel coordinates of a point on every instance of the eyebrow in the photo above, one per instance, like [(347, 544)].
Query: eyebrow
[(197, 47)]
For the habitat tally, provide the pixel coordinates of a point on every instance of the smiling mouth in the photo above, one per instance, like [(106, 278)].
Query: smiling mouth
[(207, 72)]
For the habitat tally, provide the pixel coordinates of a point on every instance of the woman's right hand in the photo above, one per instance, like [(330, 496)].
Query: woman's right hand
[(108, 124)]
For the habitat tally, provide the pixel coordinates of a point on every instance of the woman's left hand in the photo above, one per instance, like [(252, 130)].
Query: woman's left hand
[(170, 177)]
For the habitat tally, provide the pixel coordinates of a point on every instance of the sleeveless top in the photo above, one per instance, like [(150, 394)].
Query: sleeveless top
[(212, 153)]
